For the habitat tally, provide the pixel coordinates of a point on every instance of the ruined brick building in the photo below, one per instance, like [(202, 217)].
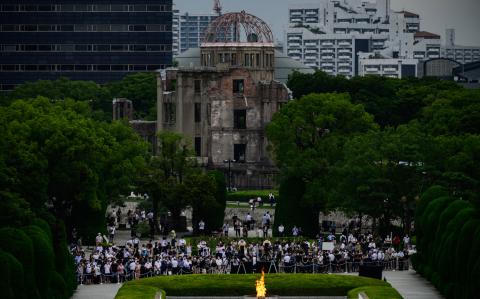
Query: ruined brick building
[(221, 98), (224, 104)]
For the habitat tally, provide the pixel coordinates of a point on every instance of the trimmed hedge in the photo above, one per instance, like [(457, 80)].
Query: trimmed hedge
[(448, 234), (17, 243), (43, 259), (246, 195), (375, 292), (240, 285), (291, 209), (11, 277)]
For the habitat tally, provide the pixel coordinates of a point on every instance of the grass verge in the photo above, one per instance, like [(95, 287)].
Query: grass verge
[(240, 285), (375, 292)]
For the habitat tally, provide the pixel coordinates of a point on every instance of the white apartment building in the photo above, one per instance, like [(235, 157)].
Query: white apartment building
[(187, 30), (369, 64), (330, 35), (461, 54)]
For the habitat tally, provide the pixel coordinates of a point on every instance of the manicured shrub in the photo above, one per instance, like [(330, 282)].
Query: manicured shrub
[(58, 287), (240, 285), (218, 215), (11, 277), (291, 211), (463, 249), (43, 259), (448, 244), (17, 243), (44, 226)]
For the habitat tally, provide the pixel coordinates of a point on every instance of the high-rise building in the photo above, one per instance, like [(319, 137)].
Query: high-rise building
[(100, 40), (331, 35), (188, 30)]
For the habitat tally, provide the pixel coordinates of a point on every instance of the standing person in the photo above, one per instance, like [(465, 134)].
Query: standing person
[(111, 233), (237, 226), (271, 199), (225, 229), (406, 241), (201, 227), (294, 231), (281, 230), (98, 239)]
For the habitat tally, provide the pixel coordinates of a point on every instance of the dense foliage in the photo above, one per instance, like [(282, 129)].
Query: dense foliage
[(54, 155), (448, 232), (174, 181), (239, 285), (57, 165), (391, 101), (423, 133), (140, 88), (333, 155)]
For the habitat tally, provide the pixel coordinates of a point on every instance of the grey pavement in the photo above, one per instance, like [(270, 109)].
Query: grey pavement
[(97, 291), (411, 285)]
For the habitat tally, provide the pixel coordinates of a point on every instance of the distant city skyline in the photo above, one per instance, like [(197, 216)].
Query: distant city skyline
[(436, 15)]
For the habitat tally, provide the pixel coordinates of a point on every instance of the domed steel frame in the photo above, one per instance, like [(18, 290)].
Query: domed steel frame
[(230, 26)]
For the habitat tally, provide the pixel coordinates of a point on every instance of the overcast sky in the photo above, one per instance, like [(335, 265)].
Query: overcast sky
[(436, 15)]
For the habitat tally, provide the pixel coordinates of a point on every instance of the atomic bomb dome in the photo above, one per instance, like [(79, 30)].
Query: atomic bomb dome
[(238, 27)]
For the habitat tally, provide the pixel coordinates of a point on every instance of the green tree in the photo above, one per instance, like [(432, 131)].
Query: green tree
[(141, 89), (307, 137), (59, 157)]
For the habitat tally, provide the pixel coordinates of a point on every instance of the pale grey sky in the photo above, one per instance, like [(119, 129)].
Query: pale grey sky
[(436, 15)]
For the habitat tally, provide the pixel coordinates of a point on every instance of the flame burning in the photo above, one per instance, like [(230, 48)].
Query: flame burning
[(260, 286)]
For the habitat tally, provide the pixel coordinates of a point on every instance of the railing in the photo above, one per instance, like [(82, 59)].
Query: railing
[(396, 264)]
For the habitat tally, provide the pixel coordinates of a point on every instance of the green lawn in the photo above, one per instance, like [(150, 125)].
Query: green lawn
[(375, 292), (239, 285)]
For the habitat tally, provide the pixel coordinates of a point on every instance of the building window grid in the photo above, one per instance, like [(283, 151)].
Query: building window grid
[(85, 48), (85, 28), (79, 67), (85, 8)]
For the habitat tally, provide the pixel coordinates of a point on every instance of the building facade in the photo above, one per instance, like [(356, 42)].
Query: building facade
[(329, 35), (188, 30), (224, 104), (102, 40)]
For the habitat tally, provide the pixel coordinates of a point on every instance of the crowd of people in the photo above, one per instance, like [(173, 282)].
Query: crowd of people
[(329, 253)]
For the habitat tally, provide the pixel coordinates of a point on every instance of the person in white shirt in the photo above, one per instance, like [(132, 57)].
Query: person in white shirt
[(98, 239), (281, 230), (157, 266), (201, 227)]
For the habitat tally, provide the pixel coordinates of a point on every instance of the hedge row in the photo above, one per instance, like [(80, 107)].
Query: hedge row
[(246, 195), (448, 243), (241, 285), (38, 264)]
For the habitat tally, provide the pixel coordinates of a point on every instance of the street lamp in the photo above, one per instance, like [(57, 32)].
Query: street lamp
[(229, 161)]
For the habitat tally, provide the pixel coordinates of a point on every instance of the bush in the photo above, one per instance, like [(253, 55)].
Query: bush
[(11, 277), (240, 285), (17, 243), (448, 244), (291, 211), (375, 292), (58, 286), (246, 195), (220, 197), (43, 259)]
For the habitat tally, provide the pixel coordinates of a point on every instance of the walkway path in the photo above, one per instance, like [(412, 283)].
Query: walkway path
[(411, 285), (97, 291)]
